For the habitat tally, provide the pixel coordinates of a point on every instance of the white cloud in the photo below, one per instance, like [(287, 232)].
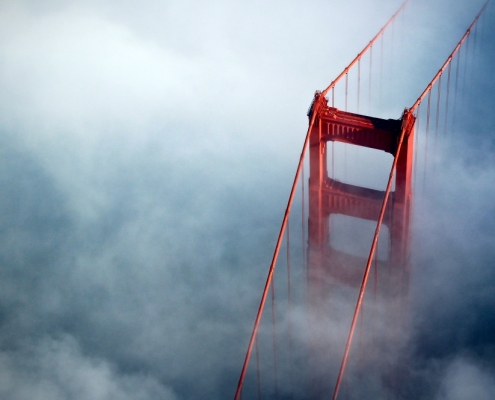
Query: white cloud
[(57, 370), (162, 136)]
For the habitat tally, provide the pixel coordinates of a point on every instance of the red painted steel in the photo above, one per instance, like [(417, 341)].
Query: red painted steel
[(317, 103), (328, 196)]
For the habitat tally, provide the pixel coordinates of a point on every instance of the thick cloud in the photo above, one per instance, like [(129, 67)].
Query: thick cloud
[(56, 369), (147, 152)]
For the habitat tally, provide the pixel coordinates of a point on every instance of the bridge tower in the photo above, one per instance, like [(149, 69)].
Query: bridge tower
[(329, 268)]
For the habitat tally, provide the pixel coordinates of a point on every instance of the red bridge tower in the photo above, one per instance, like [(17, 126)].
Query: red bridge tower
[(330, 268)]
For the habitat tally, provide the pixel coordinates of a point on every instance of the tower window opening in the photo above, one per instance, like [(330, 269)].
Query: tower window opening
[(358, 165), (354, 236)]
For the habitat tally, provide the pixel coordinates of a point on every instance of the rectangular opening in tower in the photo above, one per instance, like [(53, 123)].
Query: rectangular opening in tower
[(354, 236), (358, 165)]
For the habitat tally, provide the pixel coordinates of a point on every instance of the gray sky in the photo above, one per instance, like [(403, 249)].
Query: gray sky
[(147, 154)]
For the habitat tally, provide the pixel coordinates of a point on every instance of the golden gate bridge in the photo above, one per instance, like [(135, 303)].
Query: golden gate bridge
[(352, 318)]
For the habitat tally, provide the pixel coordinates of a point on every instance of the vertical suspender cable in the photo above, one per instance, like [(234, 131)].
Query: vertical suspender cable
[(375, 291), (401, 53), (482, 27), (449, 59), (474, 41), (426, 140), (303, 223), (381, 73), (288, 272), (392, 51), (274, 342), (375, 281), (438, 113), (447, 101), (473, 56), (368, 46), (289, 305), (333, 158), (359, 83), (369, 89), (346, 87), (455, 89), (345, 162), (361, 345), (464, 72), (258, 369), (416, 148), (274, 339)]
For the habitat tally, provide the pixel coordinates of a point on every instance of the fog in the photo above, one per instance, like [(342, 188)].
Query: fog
[(147, 153)]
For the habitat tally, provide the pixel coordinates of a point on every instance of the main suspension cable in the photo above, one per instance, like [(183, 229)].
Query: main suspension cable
[(346, 70), (314, 111), (449, 58)]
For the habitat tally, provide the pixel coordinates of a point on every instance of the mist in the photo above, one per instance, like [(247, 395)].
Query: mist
[(147, 152)]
